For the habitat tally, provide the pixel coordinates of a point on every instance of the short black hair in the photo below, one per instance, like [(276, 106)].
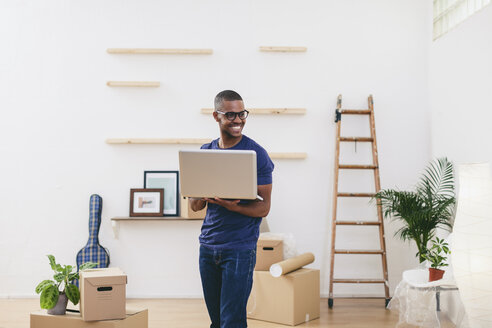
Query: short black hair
[(227, 95)]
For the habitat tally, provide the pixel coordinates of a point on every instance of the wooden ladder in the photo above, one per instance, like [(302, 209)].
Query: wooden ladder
[(336, 194)]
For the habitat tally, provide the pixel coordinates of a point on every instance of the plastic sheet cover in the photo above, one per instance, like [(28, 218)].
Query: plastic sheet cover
[(415, 299)]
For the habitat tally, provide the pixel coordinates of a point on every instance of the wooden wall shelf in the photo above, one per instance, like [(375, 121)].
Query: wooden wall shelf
[(156, 51), (288, 155), (152, 218), (115, 222), (190, 141), (140, 84), (283, 49), (266, 111), (157, 141)]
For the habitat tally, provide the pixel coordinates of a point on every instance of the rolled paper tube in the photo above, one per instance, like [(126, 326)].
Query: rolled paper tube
[(291, 264)]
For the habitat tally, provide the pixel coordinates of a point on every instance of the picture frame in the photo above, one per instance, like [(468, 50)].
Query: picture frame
[(169, 181), (146, 202)]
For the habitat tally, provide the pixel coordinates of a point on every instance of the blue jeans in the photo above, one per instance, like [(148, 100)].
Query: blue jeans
[(227, 277)]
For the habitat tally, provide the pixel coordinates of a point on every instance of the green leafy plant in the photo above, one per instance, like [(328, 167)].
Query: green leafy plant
[(431, 205), (62, 283), (437, 254)]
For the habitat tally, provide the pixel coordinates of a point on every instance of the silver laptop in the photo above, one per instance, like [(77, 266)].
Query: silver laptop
[(228, 174)]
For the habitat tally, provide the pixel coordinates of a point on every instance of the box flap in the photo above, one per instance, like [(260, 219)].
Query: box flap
[(270, 238), (106, 280), (269, 243), (104, 276), (101, 272)]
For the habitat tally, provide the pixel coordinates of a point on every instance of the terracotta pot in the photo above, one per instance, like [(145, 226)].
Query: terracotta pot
[(435, 274), (61, 306)]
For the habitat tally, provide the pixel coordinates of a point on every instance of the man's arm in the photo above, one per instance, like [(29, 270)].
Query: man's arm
[(258, 209)]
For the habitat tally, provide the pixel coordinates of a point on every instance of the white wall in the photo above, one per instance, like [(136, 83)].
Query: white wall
[(57, 113), (461, 85)]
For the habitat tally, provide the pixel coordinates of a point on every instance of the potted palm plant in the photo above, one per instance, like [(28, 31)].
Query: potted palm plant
[(429, 206), (437, 256), (56, 293)]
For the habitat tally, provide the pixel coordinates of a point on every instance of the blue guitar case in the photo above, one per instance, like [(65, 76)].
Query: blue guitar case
[(93, 251)]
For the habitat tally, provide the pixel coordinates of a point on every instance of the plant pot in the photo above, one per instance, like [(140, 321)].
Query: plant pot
[(61, 306), (435, 274)]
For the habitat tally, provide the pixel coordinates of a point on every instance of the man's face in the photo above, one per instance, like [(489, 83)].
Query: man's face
[(232, 128)]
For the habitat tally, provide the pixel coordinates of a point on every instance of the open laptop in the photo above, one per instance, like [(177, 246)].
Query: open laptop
[(228, 174)]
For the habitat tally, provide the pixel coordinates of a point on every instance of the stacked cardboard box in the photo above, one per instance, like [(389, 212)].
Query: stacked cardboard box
[(290, 299), (268, 252), (133, 319), (102, 304), (102, 294)]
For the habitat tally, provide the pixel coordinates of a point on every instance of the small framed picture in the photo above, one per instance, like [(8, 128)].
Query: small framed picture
[(146, 202), (169, 181)]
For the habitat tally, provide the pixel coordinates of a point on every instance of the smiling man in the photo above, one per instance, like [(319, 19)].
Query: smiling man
[(231, 227)]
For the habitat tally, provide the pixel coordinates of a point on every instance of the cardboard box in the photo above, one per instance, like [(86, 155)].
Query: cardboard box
[(102, 294), (290, 299), (133, 319), (268, 252), (187, 213)]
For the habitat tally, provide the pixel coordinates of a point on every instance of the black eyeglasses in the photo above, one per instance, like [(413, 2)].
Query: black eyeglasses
[(231, 116)]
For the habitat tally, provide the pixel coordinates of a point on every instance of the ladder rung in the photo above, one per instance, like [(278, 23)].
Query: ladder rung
[(357, 223), (357, 167), (359, 281), (360, 139), (351, 194), (358, 251), (356, 111)]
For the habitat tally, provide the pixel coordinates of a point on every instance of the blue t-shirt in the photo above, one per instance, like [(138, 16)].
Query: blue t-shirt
[(224, 229)]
